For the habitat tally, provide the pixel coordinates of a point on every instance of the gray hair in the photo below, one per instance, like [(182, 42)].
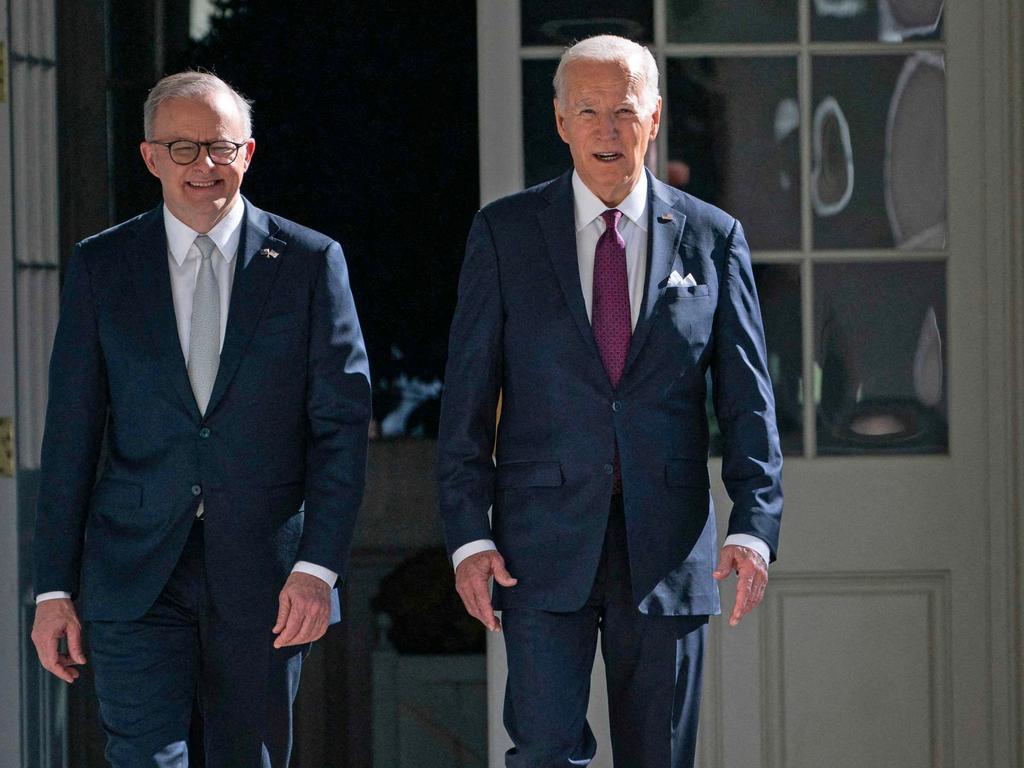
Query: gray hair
[(614, 49), (189, 85)]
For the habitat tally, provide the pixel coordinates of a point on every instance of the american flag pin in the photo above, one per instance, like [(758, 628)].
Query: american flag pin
[(269, 253)]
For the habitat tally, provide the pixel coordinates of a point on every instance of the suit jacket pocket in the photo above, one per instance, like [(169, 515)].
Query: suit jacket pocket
[(529, 474), (278, 323), (686, 473), (117, 494), (676, 292)]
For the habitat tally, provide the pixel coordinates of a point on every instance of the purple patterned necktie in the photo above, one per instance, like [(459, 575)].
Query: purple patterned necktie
[(609, 313)]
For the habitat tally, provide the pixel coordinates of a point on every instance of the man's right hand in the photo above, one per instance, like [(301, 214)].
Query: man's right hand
[(56, 619), (471, 582)]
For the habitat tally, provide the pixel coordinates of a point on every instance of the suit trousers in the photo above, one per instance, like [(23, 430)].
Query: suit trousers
[(149, 672), (653, 666)]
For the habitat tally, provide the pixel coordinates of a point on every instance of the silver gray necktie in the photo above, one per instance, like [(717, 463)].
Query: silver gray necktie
[(204, 336)]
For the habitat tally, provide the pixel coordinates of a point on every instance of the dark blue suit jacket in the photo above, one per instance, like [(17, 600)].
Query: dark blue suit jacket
[(521, 329), (286, 423)]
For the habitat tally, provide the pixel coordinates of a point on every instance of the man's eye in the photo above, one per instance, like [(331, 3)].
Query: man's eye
[(183, 150)]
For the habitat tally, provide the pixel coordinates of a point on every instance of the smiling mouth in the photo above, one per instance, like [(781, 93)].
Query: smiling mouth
[(203, 184), (607, 157)]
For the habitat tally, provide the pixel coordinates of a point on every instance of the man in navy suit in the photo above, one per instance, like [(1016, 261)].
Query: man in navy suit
[(217, 348), (594, 304)]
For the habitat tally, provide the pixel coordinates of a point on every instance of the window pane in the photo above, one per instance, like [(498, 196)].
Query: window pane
[(562, 22), (880, 334), (734, 141), (732, 21), (545, 155), (878, 143), (778, 289), (889, 21)]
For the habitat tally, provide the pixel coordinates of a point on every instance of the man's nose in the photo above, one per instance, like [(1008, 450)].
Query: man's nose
[(204, 160), (607, 126)]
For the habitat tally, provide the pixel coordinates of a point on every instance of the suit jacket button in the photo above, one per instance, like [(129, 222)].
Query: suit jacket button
[(204, 432), (608, 469), (617, 405), (197, 490)]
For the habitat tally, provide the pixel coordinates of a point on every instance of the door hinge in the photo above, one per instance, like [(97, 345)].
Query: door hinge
[(6, 446), (3, 72)]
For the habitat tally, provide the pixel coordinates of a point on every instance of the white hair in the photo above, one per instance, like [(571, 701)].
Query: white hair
[(189, 85), (613, 48)]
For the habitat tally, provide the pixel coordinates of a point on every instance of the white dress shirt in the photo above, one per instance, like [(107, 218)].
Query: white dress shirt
[(633, 228), (183, 263)]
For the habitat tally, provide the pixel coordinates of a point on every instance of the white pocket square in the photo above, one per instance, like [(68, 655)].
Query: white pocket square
[(676, 281)]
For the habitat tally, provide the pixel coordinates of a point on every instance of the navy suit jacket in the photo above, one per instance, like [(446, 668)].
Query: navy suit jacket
[(521, 329), (286, 424)]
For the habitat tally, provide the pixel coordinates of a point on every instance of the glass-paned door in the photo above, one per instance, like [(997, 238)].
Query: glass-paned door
[(827, 127)]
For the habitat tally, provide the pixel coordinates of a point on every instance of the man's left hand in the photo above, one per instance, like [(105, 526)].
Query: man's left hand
[(752, 571), (304, 609)]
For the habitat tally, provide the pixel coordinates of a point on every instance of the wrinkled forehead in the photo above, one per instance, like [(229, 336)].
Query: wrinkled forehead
[(212, 107), (620, 78)]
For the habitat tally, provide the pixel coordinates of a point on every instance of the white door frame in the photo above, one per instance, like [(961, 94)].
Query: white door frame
[(10, 705), (32, 720)]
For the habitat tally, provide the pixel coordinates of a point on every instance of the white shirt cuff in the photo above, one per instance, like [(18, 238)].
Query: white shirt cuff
[(52, 596), (751, 542), (472, 548), (324, 574)]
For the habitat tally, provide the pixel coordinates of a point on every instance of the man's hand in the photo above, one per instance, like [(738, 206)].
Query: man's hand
[(56, 619), (471, 579), (753, 578), (304, 608)]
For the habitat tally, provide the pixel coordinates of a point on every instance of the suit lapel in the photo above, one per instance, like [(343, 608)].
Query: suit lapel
[(254, 275), (665, 223), (557, 222), (152, 278)]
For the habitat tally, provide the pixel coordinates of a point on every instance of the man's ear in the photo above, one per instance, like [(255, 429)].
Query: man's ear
[(656, 120), (250, 150), (147, 150), (560, 122)]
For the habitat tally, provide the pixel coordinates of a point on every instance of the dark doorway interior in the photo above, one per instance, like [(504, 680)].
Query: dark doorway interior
[(365, 119)]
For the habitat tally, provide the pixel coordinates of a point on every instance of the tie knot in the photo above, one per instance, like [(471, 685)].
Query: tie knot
[(611, 218), (205, 245)]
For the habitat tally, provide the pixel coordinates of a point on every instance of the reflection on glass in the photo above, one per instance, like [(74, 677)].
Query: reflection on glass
[(733, 140), (778, 290), (880, 331), (888, 21), (563, 22), (545, 155), (199, 15), (878, 167), (732, 21)]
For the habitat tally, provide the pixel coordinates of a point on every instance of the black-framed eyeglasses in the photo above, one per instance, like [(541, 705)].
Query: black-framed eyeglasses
[(185, 152)]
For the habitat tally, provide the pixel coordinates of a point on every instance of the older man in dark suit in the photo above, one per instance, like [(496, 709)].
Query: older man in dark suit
[(594, 304), (217, 347)]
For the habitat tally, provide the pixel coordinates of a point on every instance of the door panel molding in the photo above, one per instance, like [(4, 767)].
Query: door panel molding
[(887, 648)]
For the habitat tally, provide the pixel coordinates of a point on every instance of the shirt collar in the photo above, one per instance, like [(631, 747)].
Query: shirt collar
[(226, 233), (588, 206)]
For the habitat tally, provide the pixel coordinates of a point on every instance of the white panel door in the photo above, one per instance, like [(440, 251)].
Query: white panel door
[(874, 245)]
